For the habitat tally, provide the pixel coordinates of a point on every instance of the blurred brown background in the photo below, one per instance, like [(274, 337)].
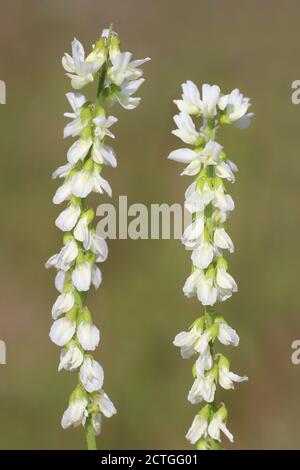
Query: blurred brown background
[(252, 45)]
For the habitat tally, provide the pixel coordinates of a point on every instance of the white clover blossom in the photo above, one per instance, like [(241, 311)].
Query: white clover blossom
[(118, 77), (210, 205)]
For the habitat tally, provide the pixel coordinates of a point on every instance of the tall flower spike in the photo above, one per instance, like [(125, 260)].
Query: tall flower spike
[(206, 199), (77, 262)]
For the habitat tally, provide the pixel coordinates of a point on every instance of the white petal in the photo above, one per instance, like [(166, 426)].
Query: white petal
[(96, 277), (63, 304), (228, 335), (62, 331), (88, 336), (67, 219), (183, 155), (81, 276), (79, 150)]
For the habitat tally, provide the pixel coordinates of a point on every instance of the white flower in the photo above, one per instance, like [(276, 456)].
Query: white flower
[(67, 219), (222, 240), (86, 181), (88, 335), (76, 100), (78, 69), (67, 255), (206, 290), (222, 201), (81, 276), (106, 406), (226, 378), (216, 425), (63, 303), (203, 388), (191, 284), (183, 155), (60, 281), (102, 126), (82, 233), (192, 235), (224, 170), (203, 255), (62, 331), (62, 171), (91, 375), (205, 360), (124, 95), (77, 125), (235, 106), (197, 429), (190, 102), (123, 69), (225, 283), (187, 341), (65, 258), (96, 277), (99, 247), (63, 192), (70, 358), (210, 98), (208, 156), (75, 413), (219, 217), (228, 335), (97, 423), (186, 129), (79, 150), (197, 199), (103, 154)]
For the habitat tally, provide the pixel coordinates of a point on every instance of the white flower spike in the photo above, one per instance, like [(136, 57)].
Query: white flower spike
[(118, 77), (208, 202)]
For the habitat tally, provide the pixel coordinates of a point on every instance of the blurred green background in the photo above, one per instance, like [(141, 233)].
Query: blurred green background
[(252, 45)]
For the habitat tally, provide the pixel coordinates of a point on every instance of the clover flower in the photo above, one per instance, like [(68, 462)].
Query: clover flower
[(207, 240), (119, 77)]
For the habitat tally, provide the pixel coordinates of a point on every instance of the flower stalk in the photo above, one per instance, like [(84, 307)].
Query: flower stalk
[(83, 249), (210, 205)]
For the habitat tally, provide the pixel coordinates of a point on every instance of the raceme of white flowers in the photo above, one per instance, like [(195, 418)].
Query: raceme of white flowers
[(207, 239), (73, 330)]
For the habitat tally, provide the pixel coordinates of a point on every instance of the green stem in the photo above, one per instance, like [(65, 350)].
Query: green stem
[(100, 88), (90, 434)]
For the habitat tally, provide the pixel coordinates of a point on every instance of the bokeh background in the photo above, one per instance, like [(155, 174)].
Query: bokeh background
[(252, 45)]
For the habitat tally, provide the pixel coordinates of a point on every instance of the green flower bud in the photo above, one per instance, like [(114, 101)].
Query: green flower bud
[(198, 323), (72, 314), (68, 236), (222, 413), (85, 114), (114, 45), (84, 315), (213, 372), (202, 444), (99, 52), (223, 362), (89, 215), (87, 133), (217, 182), (78, 393), (222, 263), (205, 412), (210, 272)]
